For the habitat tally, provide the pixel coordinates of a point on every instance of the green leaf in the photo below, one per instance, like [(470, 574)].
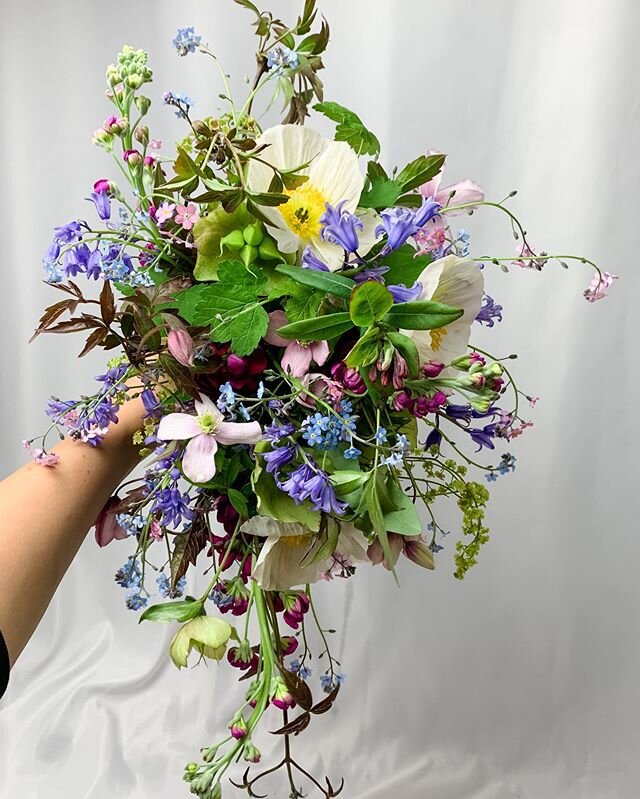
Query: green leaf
[(328, 546), (421, 315), (244, 329), (382, 194), (270, 198), (303, 304), (370, 504), (249, 5), (347, 482), (172, 611), (405, 266), (407, 348), (275, 503), (366, 349), (369, 302), (350, 128), (239, 501), (323, 328), (405, 519), (329, 282), (188, 300), (423, 169)]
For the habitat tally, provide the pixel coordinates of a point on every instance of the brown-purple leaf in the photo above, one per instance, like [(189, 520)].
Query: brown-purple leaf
[(326, 704), (294, 727), (95, 338), (187, 547), (298, 689), (107, 304)]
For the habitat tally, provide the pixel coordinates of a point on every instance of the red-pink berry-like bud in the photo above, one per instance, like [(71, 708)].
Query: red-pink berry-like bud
[(288, 644), (281, 697), (350, 378), (403, 402), (400, 371), (236, 365), (149, 161), (251, 753), (181, 346), (238, 728), (431, 368), (103, 185), (132, 157)]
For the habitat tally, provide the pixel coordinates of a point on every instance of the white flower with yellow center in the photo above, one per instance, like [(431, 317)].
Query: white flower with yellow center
[(333, 175), (459, 283), (286, 557)]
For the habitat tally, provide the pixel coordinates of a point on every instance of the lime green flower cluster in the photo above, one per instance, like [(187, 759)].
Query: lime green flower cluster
[(131, 69)]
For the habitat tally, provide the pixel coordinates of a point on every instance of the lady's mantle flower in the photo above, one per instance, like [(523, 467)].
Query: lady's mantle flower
[(205, 431), (298, 356), (186, 41), (286, 557)]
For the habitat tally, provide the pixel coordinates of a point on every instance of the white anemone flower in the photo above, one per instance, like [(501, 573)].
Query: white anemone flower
[(334, 176), (457, 282), (286, 556)]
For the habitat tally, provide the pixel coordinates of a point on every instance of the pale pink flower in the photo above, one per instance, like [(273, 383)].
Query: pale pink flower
[(155, 530), (107, 528), (205, 431), (597, 289), (298, 355), (462, 193), (187, 215), (529, 259), (155, 144), (165, 212), (181, 346)]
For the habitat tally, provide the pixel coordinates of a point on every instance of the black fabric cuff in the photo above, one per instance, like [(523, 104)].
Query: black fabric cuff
[(4, 666)]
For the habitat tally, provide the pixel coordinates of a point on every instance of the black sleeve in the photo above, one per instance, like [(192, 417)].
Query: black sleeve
[(4, 666)]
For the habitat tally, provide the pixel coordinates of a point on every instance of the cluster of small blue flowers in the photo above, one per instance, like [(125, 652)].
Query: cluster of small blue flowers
[(164, 586), (326, 431), (298, 668), (507, 464), (220, 599), (331, 681), (129, 577), (132, 525), (398, 450), (181, 102), (462, 243), (280, 57), (186, 41)]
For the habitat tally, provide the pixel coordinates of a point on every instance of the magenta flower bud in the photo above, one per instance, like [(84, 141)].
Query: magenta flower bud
[(431, 368), (496, 383), (115, 125), (149, 161), (350, 378), (403, 402), (281, 697), (242, 657), (288, 644), (132, 157), (238, 728), (251, 753), (416, 550), (236, 365), (142, 134), (400, 371), (373, 374), (421, 407), (181, 346), (103, 185)]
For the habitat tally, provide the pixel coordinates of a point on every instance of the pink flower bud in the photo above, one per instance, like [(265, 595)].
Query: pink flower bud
[(103, 185), (181, 346), (403, 402), (149, 161), (416, 550), (431, 368), (288, 644), (238, 728), (107, 528), (132, 157)]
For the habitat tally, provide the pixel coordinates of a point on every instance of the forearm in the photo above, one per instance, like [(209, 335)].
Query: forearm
[(46, 513)]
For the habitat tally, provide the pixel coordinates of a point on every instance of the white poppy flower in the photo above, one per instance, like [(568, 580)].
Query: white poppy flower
[(457, 282), (334, 176), (286, 556)]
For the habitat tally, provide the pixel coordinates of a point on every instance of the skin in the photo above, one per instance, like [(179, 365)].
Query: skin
[(45, 515)]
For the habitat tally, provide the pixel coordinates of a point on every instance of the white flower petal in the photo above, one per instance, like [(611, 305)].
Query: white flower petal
[(178, 426), (266, 526), (279, 564)]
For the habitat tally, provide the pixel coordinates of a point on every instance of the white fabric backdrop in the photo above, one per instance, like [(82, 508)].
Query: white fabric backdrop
[(519, 682)]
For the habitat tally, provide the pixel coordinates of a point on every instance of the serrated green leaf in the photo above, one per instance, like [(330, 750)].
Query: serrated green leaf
[(421, 315), (323, 328), (382, 194), (369, 302), (423, 169), (329, 282), (244, 328), (172, 611), (350, 128), (188, 300), (303, 304)]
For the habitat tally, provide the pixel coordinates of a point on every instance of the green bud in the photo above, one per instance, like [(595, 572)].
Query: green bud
[(493, 370), (233, 241), (248, 254), (253, 234), (209, 753), (113, 76), (268, 250), (142, 134), (191, 768), (103, 139), (142, 104), (133, 81)]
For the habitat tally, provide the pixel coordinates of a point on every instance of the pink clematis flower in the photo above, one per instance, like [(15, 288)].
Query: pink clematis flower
[(187, 215), (466, 191), (205, 431), (298, 355)]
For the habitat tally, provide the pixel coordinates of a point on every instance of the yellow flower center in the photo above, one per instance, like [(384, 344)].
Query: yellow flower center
[(303, 210), (294, 540), (208, 423), (436, 337)]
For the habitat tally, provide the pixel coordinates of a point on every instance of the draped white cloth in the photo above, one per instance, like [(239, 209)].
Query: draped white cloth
[(522, 680)]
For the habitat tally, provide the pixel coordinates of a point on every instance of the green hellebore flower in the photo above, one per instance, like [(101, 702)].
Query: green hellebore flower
[(209, 233), (268, 250), (233, 241), (248, 254), (206, 634), (253, 234)]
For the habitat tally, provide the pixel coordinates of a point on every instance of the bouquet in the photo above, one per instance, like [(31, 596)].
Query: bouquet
[(296, 318)]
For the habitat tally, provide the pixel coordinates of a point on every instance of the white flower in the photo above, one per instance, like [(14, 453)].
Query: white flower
[(459, 283), (286, 557), (334, 176)]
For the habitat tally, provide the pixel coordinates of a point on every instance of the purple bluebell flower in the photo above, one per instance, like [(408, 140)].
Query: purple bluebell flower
[(94, 265), (398, 224), (310, 482), (371, 273), (173, 505), (339, 227), (426, 212), (490, 312), (401, 293), (102, 203), (57, 407), (311, 261), (278, 458), (52, 254), (460, 412), (67, 234), (433, 439), (275, 432), (483, 436), (150, 402), (186, 41), (75, 260), (112, 376)]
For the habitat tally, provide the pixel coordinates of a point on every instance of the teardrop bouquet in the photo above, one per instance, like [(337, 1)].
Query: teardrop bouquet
[(296, 318)]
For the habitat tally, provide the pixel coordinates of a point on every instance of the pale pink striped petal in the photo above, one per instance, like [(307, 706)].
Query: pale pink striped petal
[(238, 433), (277, 319), (178, 426), (464, 192), (319, 351), (198, 461), (296, 359), (207, 405)]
